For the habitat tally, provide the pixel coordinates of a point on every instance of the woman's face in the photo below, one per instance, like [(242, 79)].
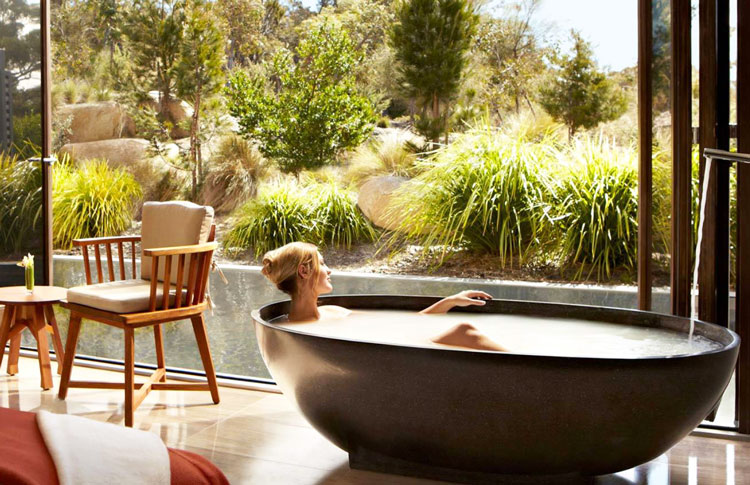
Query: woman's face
[(323, 285)]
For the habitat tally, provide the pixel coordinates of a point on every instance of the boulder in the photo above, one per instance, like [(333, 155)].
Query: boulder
[(375, 196), (118, 152), (177, 111), (96, 121)]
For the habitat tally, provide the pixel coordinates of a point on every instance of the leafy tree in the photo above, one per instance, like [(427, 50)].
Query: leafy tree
[(199, 70), (580, 95), (252, 27), (82, 32), (431, 39), (153, 29), (513, 55), (315, 111), (22, 51)]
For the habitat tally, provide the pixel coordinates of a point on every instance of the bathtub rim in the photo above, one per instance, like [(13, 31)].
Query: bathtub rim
[(704, 326)]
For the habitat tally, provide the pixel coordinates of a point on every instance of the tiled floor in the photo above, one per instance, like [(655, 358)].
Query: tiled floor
[(259, 438)]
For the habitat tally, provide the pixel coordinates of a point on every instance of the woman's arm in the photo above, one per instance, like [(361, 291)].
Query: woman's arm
[(465, 298)]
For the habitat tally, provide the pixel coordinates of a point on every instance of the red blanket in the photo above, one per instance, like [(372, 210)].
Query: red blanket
[(24, 459)]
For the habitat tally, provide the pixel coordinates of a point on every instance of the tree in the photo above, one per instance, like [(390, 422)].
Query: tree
[(153, 29), (314, 110), (252, 27), (431, 39), (199, 70), (580, 95), (512, 52), (22, 51)]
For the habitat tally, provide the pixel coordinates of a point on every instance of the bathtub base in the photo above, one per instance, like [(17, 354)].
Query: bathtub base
[(375, 462)]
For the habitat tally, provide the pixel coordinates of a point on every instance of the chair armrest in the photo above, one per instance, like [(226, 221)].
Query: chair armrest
[(105, 240), (177, 250)]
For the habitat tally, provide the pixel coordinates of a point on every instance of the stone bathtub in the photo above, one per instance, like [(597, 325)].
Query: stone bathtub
[(472, 416)]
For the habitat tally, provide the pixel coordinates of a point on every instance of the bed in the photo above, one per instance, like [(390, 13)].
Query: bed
[(24, 459)]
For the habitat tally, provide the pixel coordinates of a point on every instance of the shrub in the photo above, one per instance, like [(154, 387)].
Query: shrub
[(484, 192), (234, 175), (92, 200), (20, 202), (383, 122), (337, 220), (279, 216), (316, 111), (599, 207), (322, 214), (392, 154)]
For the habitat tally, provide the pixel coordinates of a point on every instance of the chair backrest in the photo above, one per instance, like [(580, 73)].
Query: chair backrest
[(168, 224)]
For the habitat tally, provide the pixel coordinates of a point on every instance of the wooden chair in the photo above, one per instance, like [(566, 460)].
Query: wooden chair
[(179, 234)]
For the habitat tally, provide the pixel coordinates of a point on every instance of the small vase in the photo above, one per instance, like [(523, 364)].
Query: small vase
[(29, 277)]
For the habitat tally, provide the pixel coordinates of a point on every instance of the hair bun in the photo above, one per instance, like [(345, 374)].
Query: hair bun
[(267, 268)]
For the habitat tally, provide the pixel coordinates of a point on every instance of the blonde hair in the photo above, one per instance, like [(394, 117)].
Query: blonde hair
[(280, 265)]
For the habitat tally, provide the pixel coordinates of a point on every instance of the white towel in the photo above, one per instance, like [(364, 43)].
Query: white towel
[(87, 452)]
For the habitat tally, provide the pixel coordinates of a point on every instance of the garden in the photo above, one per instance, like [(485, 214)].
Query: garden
[(412, 136)]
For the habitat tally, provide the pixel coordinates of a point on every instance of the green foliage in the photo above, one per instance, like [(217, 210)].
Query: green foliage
[(322, 214), (27, 130), (22, 46), (430, 40), (279, 216), (388, 155), (484, 192), (599, 207), (20, 202), (199, 70), (513, 54), (580, 95), (153, 31), (337, 220), (91, 200), (316, 111), (234, 175)]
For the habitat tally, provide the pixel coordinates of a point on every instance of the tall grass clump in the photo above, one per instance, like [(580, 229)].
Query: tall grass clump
[(92, 200), (598, 203), (338, 220), (392, 154), (322, 214), (20, 202), (234, 175), (278, 216), (485, 192)]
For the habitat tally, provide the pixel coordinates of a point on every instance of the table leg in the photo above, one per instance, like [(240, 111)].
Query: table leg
[(15, 350), (7, 322), (49, 312), (39, 329)]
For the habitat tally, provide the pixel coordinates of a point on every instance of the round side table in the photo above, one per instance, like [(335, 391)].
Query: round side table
[(32, 311)]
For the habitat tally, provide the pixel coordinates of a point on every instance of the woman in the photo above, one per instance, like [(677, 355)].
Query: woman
[(298, 269)]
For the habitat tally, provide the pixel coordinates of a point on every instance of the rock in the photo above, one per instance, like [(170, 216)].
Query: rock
[(96, 121), (375, 196), (177, 111), (118, 152)]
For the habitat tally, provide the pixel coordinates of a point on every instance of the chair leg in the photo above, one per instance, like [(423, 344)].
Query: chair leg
[(159, 341), (129, 375), (199, 327), (74, 328)]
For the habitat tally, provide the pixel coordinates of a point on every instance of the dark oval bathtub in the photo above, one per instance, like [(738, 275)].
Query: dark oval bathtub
[(460, 413)]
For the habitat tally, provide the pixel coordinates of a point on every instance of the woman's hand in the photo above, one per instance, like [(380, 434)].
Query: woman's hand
[(464, 298)]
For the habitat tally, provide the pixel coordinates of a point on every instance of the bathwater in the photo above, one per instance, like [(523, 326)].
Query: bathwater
[(519, 334)]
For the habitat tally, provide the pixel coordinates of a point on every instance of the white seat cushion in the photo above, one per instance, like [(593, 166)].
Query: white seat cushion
[(128, 296)]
